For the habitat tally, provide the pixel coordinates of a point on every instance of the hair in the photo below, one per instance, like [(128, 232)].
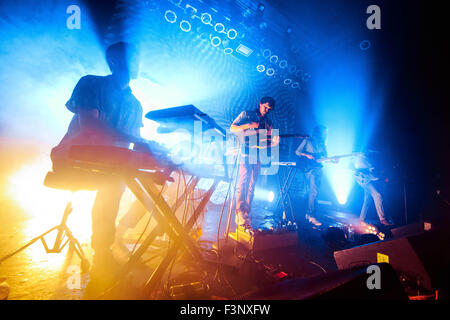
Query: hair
[(119, 50), (318, 130), (268, 99)]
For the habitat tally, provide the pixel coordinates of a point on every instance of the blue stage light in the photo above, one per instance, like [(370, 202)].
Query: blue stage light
[(219, 28), (273, 59), (185, 26), (170, 16), (264, 195), (245, 51), (215, 41), (232, 34), (206, 18), (266, 53), (228, 51), (270, 72)]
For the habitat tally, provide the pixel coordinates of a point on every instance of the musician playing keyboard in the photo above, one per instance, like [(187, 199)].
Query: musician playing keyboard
[(105, 113), (313, 149), (246, 124)]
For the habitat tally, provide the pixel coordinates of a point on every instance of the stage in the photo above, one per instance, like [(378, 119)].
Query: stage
[(223, 150)]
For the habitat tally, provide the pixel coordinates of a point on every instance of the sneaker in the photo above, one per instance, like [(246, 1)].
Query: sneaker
[(241, 219), (313, 220), (387, 222)]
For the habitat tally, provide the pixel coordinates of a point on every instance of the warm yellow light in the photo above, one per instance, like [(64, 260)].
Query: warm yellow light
[(45, 206)]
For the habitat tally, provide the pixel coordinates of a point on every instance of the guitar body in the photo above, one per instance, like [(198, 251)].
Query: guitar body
[(307, 164), (365, 176)]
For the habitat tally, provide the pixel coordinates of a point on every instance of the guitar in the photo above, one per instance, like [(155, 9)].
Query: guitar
[(309, 164), (234, 151), (364, 176)]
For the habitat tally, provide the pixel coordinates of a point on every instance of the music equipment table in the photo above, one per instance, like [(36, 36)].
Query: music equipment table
[(137, 170)]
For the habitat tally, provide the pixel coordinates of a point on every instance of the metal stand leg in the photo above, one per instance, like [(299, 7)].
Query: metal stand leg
[(156, 276), (284, 192), (232, 199), (58, 246)]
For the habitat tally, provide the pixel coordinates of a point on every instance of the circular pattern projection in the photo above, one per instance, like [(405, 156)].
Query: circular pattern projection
[(185, 26), (270, 72), (206, 18), (215, 41), (170, 16), (364, 45)]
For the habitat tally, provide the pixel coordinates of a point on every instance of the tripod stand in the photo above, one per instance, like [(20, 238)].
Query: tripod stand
[(63, 237)]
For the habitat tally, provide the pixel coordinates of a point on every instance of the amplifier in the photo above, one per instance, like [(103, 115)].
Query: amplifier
[(424, 258), (265, 239)]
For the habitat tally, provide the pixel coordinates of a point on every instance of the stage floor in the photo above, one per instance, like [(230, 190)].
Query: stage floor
[(34, 274)]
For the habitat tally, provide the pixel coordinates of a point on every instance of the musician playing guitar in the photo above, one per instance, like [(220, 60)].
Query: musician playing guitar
[(249, 123), (314, 149), (366, 179)]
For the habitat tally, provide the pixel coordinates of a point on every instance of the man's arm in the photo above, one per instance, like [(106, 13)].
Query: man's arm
[(244, 127), (89, 122), (300, 150), (275, 140), (239, 124)]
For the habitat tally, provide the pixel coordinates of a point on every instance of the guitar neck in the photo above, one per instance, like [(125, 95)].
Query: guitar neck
[(335, 157)]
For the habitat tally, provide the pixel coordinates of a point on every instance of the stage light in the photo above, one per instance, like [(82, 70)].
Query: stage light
[(260, 68), (306, 77), (185, 26), (266, 53), (364, 45), (228, 51), (341, 181), (215, 41), (219, 27), (245, 51), (261, 7), (206, 18), (283, 64), (232, 34), (287, 81), (170, 16), (270, 72), (273, 59), (264, 195)]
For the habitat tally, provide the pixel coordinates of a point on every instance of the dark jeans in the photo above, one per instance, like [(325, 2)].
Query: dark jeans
[(104, 213), (371, 192), (313, 180)]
